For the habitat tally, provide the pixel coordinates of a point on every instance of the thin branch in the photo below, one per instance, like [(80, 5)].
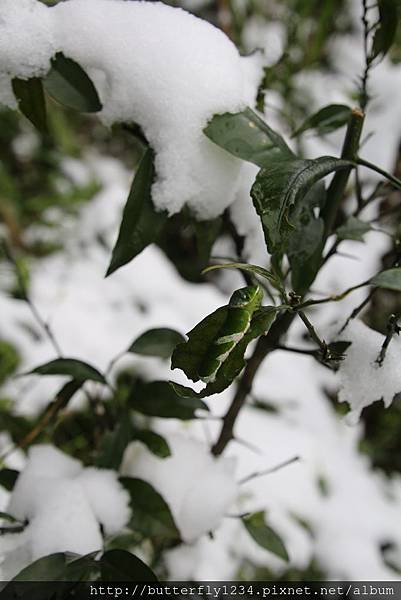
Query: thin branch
[(394, 180), (278, 467), (358, 309), (312, 332), (392, 329)]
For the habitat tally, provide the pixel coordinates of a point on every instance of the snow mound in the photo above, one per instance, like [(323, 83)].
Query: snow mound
[(362, 380), (64, 505), (198, 487), (153, 65)]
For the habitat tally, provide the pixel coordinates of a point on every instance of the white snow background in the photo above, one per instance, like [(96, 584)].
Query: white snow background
[(95, 318)]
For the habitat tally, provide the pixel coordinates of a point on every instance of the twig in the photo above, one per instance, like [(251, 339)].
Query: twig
[(278, 467), (312, 332), (392, 329), (358, 309)]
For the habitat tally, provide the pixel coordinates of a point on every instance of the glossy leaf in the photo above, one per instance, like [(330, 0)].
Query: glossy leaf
[(254, 269), (157, 342), (385, 33), (235, 362), (327, 119), (159, 399), (264, 535), (68, 83), (31, 101), (247, 136), (389, 280), (114, 443), (141, 223), (280, 187), (190, 355), (120, 565), (353, 229), (151, 515), (79, 370)]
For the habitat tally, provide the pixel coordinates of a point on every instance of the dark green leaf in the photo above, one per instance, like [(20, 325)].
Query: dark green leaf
[(305, 243), (57, 567), (190, 355), (206, 233), (159, 399), (385, 33), (141, 223), (150, 513), (389, 280), (269, 275), (114, 443), (68, 83), (73, 367), (327, 119), (120, 565), (279, 187), (8, 477), (353, 229), (154, 442), (6, 517), (31, 101), (157, 342), (247, 136), (264, 535), (235, 362)]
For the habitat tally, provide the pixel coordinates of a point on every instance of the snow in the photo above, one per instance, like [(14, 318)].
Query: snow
[(198, 487), (373, 381), (153, 65), (64, 505)]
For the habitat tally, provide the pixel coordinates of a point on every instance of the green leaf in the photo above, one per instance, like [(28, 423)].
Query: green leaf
[(279, 187), (305, 243), (235, 362), (8, 477), (6, 517), (68, 83), (206, 233), (141, 223), (385, 33), (31, 101), (190, 355), (79, 370), (120, 565), (353, 229), (254, 269), (326, 120), (154, 442), (114, 443), (62, 566), (388, 280), (264, 535), (247, 136), (150, 513), (157, 342), (159, 399)]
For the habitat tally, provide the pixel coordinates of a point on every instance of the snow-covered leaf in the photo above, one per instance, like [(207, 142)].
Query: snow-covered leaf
[(247, 136), (68, 83), (157, 342), (264, 535), (327, 119), (31, 101), (282, 185), (150, 513), (141, 223)]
